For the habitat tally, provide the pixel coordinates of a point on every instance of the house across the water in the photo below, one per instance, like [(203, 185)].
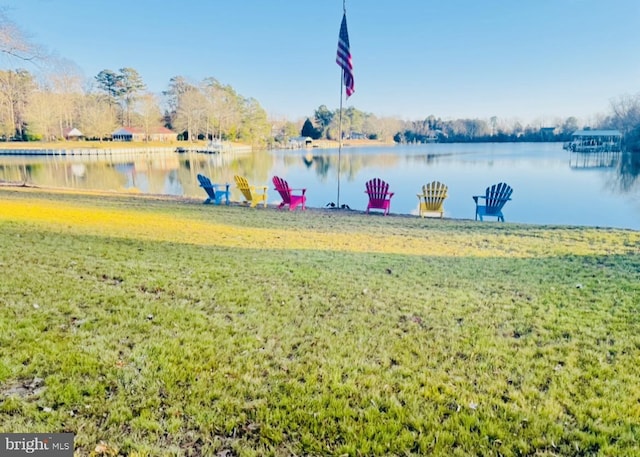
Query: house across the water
[(139, 134), (72, 134), (595, 141)]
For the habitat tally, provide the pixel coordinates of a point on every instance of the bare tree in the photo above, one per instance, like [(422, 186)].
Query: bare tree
[(388, 127), (96, 118), (178, 86), (14, 43), (211, 93), (149, 114), (255, 127), (16, 88), (493, 120), (191, 113), (384, 128), (333, 130), (224, 108), (65, 80), (41, 115), (626, 112)]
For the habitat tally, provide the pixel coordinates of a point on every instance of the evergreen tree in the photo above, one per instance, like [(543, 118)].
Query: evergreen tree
[(131, 85), (309, 130)]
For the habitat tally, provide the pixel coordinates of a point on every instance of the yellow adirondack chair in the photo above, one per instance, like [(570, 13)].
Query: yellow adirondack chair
[(432, 198), (252, 194)]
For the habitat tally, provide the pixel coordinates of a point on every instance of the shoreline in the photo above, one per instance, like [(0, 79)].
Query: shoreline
[(114, 147), (345, 212), (26, 187)]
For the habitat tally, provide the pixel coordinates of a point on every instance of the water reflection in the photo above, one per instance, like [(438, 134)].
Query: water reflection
[(628, 171), (550, 185), (601, 159), (625, 163)]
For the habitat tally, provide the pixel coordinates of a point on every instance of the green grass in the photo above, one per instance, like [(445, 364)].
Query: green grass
[(162, 327)]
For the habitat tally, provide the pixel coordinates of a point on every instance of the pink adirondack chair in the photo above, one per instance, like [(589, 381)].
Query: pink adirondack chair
[(379, 195), (288, 198)]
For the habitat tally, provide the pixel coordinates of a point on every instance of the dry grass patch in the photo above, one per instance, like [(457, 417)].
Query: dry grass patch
[(235, 226)]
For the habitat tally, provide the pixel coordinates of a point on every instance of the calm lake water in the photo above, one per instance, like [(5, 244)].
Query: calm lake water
[(551, 186)]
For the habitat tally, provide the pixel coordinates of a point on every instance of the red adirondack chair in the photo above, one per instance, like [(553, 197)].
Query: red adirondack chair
[(379, 195), (288, 198)]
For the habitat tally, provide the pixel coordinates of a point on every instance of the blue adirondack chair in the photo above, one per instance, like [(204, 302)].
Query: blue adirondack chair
[(214, 191), (495, 197), (379, 195)]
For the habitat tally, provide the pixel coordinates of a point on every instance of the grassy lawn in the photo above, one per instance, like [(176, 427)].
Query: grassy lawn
[(162, 327)]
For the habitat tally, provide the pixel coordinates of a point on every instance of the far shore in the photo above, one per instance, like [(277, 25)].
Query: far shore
[(66, 145)]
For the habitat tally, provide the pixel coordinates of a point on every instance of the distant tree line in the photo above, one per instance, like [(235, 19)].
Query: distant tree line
[(353, 123), (434, 129), (210, 109), (41, 109), (327, 124)]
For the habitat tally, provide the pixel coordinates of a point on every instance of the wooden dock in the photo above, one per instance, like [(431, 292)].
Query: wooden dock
[(81, 151), (213, 148)]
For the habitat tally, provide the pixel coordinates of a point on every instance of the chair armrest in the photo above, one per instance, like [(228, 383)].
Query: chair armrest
[(476, 197)]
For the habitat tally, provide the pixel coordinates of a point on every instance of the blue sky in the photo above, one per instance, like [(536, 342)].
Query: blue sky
[(530, 60)]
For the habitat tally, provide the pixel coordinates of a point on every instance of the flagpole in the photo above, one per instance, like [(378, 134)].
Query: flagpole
[(343, 58), (340, 137), (344, 13)]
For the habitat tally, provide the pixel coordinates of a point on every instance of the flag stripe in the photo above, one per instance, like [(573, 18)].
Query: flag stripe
[(343, 57)]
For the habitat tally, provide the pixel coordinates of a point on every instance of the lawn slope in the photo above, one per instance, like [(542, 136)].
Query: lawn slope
[(151, 326)]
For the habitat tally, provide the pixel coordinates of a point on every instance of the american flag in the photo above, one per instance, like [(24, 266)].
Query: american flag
[(344, 57)]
